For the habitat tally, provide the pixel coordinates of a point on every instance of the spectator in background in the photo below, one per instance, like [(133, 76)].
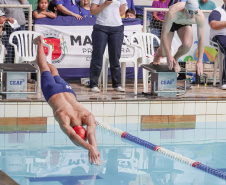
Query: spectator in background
[(68, 7), (85, 8), (129, 5), (107, 30), (158, 17), (217, 21), (52, 7), (17, 14), (130, 13), (41, 11), (206, 5)]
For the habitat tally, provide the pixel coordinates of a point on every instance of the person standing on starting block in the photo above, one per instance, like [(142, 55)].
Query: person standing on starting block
[(69, 113), (180, 18)]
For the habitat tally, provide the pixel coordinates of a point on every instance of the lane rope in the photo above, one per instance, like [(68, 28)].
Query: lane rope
[(162, 150)]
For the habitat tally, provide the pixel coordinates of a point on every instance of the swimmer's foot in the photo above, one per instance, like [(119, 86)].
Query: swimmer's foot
[(177, 67), (156, 61)]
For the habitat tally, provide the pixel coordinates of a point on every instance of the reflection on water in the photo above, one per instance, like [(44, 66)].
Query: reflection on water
[(124, 163)]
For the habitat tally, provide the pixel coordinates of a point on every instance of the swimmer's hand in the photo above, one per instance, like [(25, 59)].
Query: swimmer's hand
[(171, 61), (94, 156), (199, 68)]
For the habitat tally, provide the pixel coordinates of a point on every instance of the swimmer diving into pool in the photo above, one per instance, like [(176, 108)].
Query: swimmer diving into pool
[(180, 18), (67, 111)]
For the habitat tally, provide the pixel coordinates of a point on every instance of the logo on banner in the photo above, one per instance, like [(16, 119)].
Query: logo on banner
[(59, 46), (16, 82)]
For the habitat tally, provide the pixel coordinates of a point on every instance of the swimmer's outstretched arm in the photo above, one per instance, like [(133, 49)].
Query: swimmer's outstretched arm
[(68, 130), (89, 120)]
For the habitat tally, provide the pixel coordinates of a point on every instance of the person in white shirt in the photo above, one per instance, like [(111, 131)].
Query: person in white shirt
[(107, 30)]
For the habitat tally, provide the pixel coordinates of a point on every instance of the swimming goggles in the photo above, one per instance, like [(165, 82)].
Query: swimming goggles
[(191, 12)]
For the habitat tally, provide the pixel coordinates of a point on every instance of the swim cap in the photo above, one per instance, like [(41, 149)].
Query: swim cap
[(81, 131), (192, 5)]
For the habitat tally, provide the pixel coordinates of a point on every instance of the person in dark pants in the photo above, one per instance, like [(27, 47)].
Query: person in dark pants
[(107, 30), (217, 20)]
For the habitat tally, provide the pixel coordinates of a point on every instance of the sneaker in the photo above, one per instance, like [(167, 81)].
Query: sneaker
[(119, 89), (223, 87), (95, 89)]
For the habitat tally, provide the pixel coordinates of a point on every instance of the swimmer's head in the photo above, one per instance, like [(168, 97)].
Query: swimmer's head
[(192, 5), (81, 131)]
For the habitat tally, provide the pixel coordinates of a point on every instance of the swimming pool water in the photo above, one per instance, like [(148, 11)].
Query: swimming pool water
[(50, 158)]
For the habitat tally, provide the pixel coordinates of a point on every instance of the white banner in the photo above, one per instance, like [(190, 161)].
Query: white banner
[(72, 45)]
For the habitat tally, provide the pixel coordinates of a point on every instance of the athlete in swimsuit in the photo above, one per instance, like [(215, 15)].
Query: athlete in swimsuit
[(179, 18), (67, 111)]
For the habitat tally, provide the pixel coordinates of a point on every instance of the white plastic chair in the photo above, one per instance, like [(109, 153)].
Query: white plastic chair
[(2, 53), (145, 41), (123, 60), (26, 51), (218, 62)]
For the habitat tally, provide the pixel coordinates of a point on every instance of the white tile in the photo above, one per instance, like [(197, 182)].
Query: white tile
[(156, 108), (200, 125), (47, 111), (97, 109), (99, 119), (132, 119), (2, 109), (155, 137), (120, 120), (57, 127), (36, 109), (179, 134), (50, 124), (87, 105), (211, 107), (221, 134), (132, 109), (35, 140), (200, 107), (200, 134), (221, 118), (120, 109), (48, 139), (211, 118), (60, 139), (167, 107), (24, 109), (200, 118), (109, 120), (178, 107), (211, 134), (2, 139), (10, 109), (221, 107), (109, 109), (144, 108), (189, 108), (211, 121), (221, 125)]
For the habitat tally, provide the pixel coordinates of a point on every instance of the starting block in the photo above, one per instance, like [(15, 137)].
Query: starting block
[(14, 80), (163, 80)]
